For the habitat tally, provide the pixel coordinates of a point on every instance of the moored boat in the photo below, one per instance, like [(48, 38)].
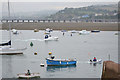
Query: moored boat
[(50, 38), (98, 61), (84, 32), (60, 62), (95, 31), (74, 31), (25, 76), (14, 31)]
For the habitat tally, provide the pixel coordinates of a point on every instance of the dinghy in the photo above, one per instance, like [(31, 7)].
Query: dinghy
[(25, 76), (94, 62)]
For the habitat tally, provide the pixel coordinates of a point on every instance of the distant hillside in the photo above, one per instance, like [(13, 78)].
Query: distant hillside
[(90, 12)]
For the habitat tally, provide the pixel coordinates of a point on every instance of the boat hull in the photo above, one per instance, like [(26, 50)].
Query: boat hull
[(59, 63), (24, 76)]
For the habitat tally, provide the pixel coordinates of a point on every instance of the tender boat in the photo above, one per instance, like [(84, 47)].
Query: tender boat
[(95, 31), (42, 65), (84, 32), (98, 61), (25, 76), (60, 62)]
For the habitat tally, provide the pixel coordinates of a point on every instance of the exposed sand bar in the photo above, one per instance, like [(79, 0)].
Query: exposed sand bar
[(63, 26)]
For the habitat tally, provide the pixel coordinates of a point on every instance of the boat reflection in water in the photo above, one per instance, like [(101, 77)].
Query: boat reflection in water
[(60, 68)]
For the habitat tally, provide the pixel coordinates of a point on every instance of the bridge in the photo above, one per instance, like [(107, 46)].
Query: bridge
[(37, 20)]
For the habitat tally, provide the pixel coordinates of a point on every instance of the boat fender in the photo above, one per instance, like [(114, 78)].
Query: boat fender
[(35, 53), (31, 44), (50, 53)]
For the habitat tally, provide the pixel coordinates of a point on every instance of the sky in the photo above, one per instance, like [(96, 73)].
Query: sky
[(43, 6), (19, 6), (61, 0)]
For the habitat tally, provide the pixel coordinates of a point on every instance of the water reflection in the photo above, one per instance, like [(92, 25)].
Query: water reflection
[(7, 66), (59, 68)]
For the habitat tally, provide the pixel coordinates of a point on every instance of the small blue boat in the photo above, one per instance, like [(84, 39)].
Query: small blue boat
[(60, 62)]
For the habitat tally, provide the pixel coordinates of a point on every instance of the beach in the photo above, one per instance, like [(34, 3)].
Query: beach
[(103, 26)]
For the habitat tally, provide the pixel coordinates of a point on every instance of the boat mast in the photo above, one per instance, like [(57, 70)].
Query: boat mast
[(9, 22)]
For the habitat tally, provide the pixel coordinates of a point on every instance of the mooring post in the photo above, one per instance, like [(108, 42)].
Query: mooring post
[(109, 57)]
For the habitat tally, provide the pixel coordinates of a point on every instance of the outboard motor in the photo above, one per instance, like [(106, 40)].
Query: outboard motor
[(90, 60)]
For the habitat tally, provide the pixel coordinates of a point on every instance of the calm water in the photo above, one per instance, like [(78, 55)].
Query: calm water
[(81, 47)]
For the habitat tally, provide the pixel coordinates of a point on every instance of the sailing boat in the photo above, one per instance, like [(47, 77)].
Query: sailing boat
[(5, 48)]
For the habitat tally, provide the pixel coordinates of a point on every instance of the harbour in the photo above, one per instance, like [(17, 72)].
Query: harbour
[(81, 47)]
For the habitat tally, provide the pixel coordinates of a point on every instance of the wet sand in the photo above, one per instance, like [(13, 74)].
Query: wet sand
[(63, 26)]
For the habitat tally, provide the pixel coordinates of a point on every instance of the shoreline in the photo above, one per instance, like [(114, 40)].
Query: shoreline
[(61, 26)]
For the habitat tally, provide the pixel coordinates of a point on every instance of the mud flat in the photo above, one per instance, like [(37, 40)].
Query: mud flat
[(108, 26)]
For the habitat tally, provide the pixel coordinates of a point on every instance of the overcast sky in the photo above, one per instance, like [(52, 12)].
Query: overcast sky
[(62, 0), (44, 5)]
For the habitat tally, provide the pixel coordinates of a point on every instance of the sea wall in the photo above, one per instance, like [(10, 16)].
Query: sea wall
[(111, 71), (63, 25)]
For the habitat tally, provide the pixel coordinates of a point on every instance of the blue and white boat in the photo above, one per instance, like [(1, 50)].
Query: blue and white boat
[(60, 62)]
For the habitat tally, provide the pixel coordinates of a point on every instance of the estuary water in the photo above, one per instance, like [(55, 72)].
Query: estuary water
[(81, 47)]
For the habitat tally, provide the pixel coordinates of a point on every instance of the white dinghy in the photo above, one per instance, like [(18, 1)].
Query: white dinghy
[(94, 62), (25, 76)]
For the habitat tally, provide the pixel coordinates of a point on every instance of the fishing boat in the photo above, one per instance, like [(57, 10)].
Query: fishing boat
[(84, 32), (95, 31), (94, 62), (59, 62), (25, 76)]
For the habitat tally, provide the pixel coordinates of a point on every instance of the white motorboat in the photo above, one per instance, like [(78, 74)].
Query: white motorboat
[(25, 76), (94, 62), (51, 38), (84, 32), (48, 30), (14, 31)]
